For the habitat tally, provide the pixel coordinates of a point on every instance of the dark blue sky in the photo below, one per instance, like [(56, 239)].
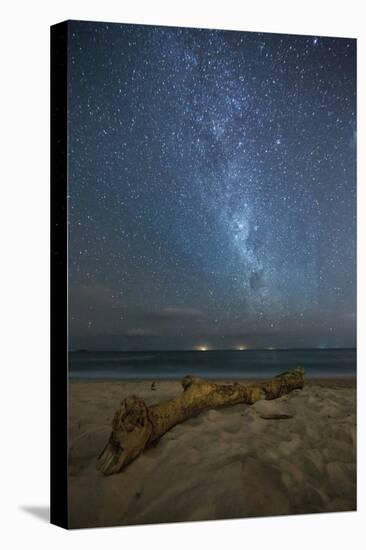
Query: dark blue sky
[(212, 188)]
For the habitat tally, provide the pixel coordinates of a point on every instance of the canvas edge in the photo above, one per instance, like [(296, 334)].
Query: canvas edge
[(59, 314)]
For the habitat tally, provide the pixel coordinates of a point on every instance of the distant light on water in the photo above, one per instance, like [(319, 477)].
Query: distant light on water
[(242, 348), (202, 348)]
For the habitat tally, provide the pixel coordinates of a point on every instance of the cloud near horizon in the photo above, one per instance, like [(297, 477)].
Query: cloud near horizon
[(140, 332), (174, 314)]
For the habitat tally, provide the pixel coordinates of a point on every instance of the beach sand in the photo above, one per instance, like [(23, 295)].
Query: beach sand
[(232, 462)]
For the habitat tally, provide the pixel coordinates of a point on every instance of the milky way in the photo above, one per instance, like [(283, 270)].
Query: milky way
[(212, 188)]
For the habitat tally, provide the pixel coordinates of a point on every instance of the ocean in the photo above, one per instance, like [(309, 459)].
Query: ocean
[(325, 363)]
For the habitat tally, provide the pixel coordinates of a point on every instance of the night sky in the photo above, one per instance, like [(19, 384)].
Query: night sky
[(212, 189)]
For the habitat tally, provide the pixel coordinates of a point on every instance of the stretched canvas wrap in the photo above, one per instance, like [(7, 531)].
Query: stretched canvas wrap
[(203, 274)]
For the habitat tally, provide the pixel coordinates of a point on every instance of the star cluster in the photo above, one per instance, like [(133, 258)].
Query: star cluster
[(212, 188)]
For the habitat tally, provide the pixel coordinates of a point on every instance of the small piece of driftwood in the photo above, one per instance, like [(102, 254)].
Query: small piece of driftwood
[(135, 425)]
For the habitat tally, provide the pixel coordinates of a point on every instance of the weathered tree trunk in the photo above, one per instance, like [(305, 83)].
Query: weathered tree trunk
[(135, 425)]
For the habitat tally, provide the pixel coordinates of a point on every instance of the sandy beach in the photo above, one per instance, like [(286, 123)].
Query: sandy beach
[(225, 463)]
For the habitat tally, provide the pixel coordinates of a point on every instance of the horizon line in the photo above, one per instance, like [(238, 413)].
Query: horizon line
[(207, 350)]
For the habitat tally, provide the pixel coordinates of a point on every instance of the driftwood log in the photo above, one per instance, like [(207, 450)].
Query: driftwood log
[(135, 425)]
